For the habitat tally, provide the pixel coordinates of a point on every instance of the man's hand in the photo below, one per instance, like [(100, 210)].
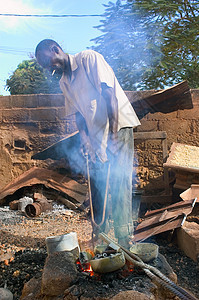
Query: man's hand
[(113, 145), (87, 150)]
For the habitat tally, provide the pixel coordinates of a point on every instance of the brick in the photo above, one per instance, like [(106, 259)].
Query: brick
[(148, 126), (5, 102), (188, 239), (43, 114), (188, 114), (53, 100), (15, 115), (174, 127), (195, 96), (161, 116)]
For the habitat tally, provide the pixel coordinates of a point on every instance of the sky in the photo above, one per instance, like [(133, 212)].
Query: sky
[(19, 36)]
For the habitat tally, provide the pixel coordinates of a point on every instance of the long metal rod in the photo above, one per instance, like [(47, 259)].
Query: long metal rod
[(90, 195), (149, 270)]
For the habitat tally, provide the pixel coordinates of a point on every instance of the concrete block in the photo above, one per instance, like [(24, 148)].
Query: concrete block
[(43, 114), (31, 101), (15, 115), (5, 102), (188, 239), (52, 100)]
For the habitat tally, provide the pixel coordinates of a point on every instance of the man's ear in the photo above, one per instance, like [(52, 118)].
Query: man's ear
[(55, 49)]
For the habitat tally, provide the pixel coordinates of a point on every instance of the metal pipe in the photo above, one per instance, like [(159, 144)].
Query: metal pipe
[(36, 208), (166, 282)]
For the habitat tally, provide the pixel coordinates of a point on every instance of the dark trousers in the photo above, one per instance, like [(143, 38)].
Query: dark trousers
[(120, 183)]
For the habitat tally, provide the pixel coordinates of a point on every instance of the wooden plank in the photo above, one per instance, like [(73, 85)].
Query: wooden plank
[(150, 135)]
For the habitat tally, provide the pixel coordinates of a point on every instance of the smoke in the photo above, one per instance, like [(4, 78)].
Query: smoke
[(130, 43)]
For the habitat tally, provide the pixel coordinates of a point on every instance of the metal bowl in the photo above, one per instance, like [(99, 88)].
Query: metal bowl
[(145, 251), (108, 264)]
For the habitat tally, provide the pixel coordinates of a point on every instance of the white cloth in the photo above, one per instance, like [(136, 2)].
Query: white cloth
[(83, 94)]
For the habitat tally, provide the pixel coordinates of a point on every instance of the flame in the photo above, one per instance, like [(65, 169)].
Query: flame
[(89, 269), (85, 268)]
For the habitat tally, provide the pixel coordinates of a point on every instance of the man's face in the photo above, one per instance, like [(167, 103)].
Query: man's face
[(52, 60)]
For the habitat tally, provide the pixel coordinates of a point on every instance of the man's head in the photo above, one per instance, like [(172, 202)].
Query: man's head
[(51, 56)]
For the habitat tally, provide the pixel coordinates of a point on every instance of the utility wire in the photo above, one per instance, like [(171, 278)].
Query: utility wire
[(50, 16)]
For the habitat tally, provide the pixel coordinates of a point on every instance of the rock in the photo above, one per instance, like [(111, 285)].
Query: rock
[(131, 295), (14, 204), (162, 265), (31, 289), (5, 294), (59, 273)]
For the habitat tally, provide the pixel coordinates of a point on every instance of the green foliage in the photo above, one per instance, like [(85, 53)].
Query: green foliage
[(151, 44), (31, 78)]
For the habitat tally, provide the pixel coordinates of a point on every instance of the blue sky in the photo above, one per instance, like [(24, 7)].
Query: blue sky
[(20, 35)]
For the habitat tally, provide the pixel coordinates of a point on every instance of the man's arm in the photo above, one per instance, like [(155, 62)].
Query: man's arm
[(86, 146), (112, 108)]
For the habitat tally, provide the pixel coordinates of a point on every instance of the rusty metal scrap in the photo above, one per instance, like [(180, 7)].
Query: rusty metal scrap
[(39, 206), (49, 179), (163, 219)]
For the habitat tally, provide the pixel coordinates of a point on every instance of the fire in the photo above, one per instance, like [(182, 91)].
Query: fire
[(86, 267), (89, 269)]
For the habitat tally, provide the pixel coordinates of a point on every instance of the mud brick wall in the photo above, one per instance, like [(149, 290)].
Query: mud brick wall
[(30, 123)]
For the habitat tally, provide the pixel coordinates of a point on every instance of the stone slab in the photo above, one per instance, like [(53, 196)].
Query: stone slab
[(188, 239)]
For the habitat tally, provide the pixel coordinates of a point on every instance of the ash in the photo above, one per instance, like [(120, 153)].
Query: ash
[(23, 240)]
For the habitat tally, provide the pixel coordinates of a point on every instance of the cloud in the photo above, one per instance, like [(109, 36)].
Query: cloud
[(19, 7)]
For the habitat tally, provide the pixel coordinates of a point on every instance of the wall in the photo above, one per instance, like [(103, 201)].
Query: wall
[(30, 123)]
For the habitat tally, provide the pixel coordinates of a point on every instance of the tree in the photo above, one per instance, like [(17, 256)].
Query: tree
[(151, 44), (31, 78)]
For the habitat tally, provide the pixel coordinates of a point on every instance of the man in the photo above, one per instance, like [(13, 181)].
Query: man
[(105, 119)]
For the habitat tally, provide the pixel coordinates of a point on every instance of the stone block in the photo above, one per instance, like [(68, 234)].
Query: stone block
[(188, 239), (59, 273)]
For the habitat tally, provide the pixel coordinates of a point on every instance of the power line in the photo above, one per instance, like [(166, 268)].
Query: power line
[(50, 16)]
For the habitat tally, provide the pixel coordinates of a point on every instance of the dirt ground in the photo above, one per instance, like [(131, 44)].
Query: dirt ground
[(23, 248)]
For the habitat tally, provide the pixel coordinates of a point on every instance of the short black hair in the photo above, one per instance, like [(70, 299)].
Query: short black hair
[(45, 45)]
